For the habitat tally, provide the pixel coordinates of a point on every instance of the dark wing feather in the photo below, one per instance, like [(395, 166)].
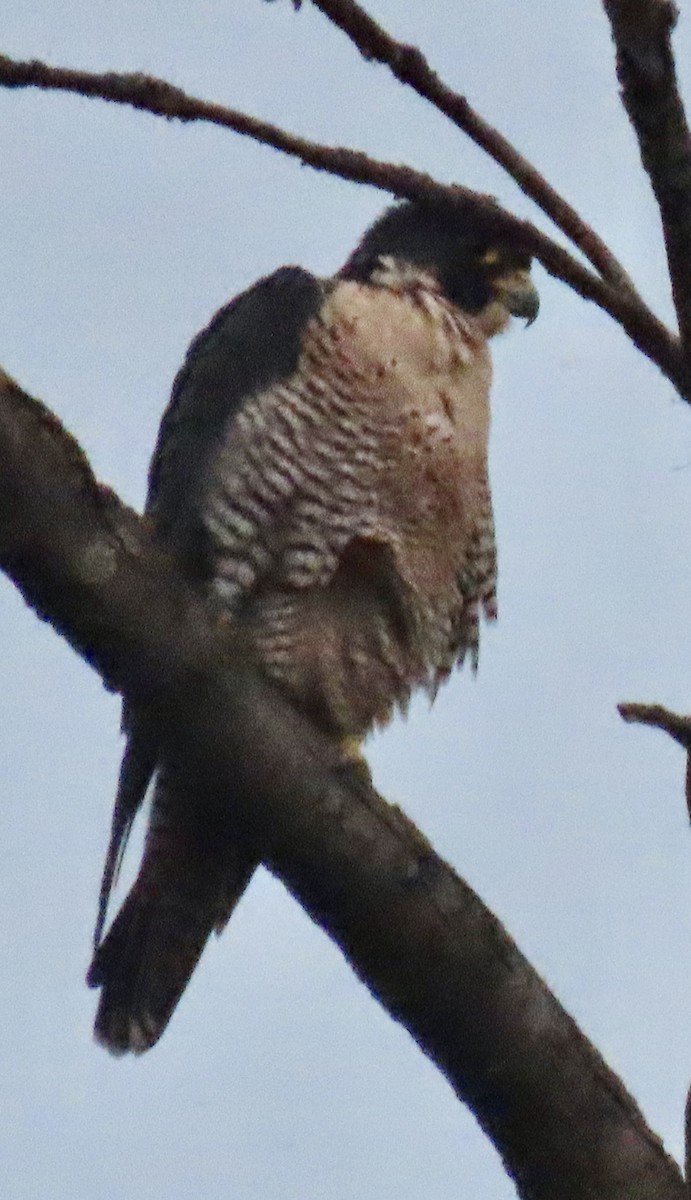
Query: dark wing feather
[(251, 343), (137, 767), (193, 873)]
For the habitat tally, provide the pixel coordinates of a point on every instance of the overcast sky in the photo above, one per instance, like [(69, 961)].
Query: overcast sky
[(279, 1078)]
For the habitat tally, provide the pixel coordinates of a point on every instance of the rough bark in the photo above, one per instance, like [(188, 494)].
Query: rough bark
[(642, 31)]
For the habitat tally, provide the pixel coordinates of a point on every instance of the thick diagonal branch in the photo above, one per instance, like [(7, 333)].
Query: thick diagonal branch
[(160, 98), (642, 31), (415, 934), (410, 66)]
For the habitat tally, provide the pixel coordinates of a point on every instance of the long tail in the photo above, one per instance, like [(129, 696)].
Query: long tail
[(191, 878)]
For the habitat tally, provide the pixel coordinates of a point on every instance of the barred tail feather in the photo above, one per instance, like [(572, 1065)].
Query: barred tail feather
[(191, 878), (147, 958)]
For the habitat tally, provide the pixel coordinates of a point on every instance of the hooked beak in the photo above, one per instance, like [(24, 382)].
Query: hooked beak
[(517, 292)]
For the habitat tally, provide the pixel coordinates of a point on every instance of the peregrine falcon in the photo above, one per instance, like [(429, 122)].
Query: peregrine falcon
[(321, 473)]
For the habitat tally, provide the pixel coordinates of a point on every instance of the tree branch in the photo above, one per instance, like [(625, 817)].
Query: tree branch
[(676, 726), (642, 31), (409, 66), (160, 98), (417, 936)]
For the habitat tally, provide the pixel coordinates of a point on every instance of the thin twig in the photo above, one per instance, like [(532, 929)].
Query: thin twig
[(152, 95), (410, 66), (642, 31), (677, 726)]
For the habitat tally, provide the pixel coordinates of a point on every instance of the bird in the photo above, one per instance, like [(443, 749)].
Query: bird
[(321, 474)]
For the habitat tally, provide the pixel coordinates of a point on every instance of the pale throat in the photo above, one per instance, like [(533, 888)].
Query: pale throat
[(401, 276)]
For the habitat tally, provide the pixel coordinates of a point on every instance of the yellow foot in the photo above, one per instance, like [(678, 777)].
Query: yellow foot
[(354, 760)]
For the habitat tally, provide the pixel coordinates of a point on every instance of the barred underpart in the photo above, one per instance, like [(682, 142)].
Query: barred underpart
[(348, 508)]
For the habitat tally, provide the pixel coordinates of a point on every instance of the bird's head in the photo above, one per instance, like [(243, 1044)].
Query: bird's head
[(481, 272)]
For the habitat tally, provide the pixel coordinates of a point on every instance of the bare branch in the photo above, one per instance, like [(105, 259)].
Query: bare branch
[(642, 32), (687, 1142), (160, 98), (410, 66), (414, 933), (678, 727), (149, 94)]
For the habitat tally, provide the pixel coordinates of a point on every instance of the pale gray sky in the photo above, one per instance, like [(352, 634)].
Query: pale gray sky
[(279, 1078)]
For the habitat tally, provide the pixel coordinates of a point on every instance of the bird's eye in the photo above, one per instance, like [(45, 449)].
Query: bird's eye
[(505, 258)]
